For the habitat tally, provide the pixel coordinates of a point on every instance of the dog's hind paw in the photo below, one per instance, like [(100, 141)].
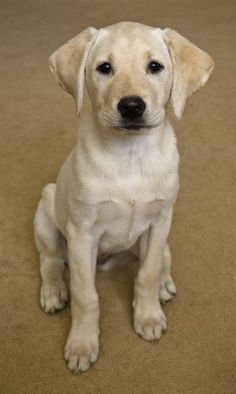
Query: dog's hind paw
[(167, 289), (53, 297)]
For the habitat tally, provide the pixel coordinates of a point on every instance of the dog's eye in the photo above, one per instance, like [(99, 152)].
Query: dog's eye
[(155, 67), (104, 68)]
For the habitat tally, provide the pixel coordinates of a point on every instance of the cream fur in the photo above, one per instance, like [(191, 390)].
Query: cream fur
[(114, 195)]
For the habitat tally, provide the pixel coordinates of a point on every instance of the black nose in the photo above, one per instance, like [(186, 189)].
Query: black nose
[(131, 107)]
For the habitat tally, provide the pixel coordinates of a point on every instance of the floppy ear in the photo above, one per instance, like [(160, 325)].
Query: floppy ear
[(191, 68), (68, 62)]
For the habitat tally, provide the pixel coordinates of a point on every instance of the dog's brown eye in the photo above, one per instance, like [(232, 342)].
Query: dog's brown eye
[(155, 67), (104, 68)]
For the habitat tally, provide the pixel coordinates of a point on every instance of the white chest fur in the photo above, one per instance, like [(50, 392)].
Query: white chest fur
[(127, 203), (118, 191), (120, 223)]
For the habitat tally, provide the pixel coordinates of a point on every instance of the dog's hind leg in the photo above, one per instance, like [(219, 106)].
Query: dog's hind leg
[(53, 295), (167, 288)]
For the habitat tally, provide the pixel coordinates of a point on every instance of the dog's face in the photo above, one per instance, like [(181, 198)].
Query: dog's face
[(129, 76), (131, 71)]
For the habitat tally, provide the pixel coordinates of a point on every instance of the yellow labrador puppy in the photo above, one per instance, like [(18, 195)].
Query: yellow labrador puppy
[(114, 195)]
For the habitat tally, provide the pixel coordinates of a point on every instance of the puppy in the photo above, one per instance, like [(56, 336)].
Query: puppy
[(114, 195)]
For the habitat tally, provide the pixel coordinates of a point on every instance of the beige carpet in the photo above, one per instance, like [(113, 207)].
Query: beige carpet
[(198, 353)]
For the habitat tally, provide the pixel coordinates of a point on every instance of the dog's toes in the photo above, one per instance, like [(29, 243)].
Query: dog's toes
[(53, 297), (170, 286), (80, 353), (150, 325), (167, 290), (165, 296)]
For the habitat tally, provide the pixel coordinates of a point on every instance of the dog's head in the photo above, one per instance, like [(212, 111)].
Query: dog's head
[(131, 71)]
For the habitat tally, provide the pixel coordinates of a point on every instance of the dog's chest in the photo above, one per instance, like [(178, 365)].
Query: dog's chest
[(123, 219), (126, 197)]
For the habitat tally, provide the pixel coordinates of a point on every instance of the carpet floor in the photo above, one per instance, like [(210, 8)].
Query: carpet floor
[(37, 131)]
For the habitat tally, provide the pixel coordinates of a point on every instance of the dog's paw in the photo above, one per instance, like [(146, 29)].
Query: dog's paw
[(167, 289), (81, 352), (53, 296), (149, 322)]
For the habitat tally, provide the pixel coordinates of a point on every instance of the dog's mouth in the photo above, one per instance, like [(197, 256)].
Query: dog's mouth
[(133, 128)]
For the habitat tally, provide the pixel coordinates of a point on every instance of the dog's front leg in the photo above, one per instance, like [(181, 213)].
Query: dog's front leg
[(82, 344), (149, 319)]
